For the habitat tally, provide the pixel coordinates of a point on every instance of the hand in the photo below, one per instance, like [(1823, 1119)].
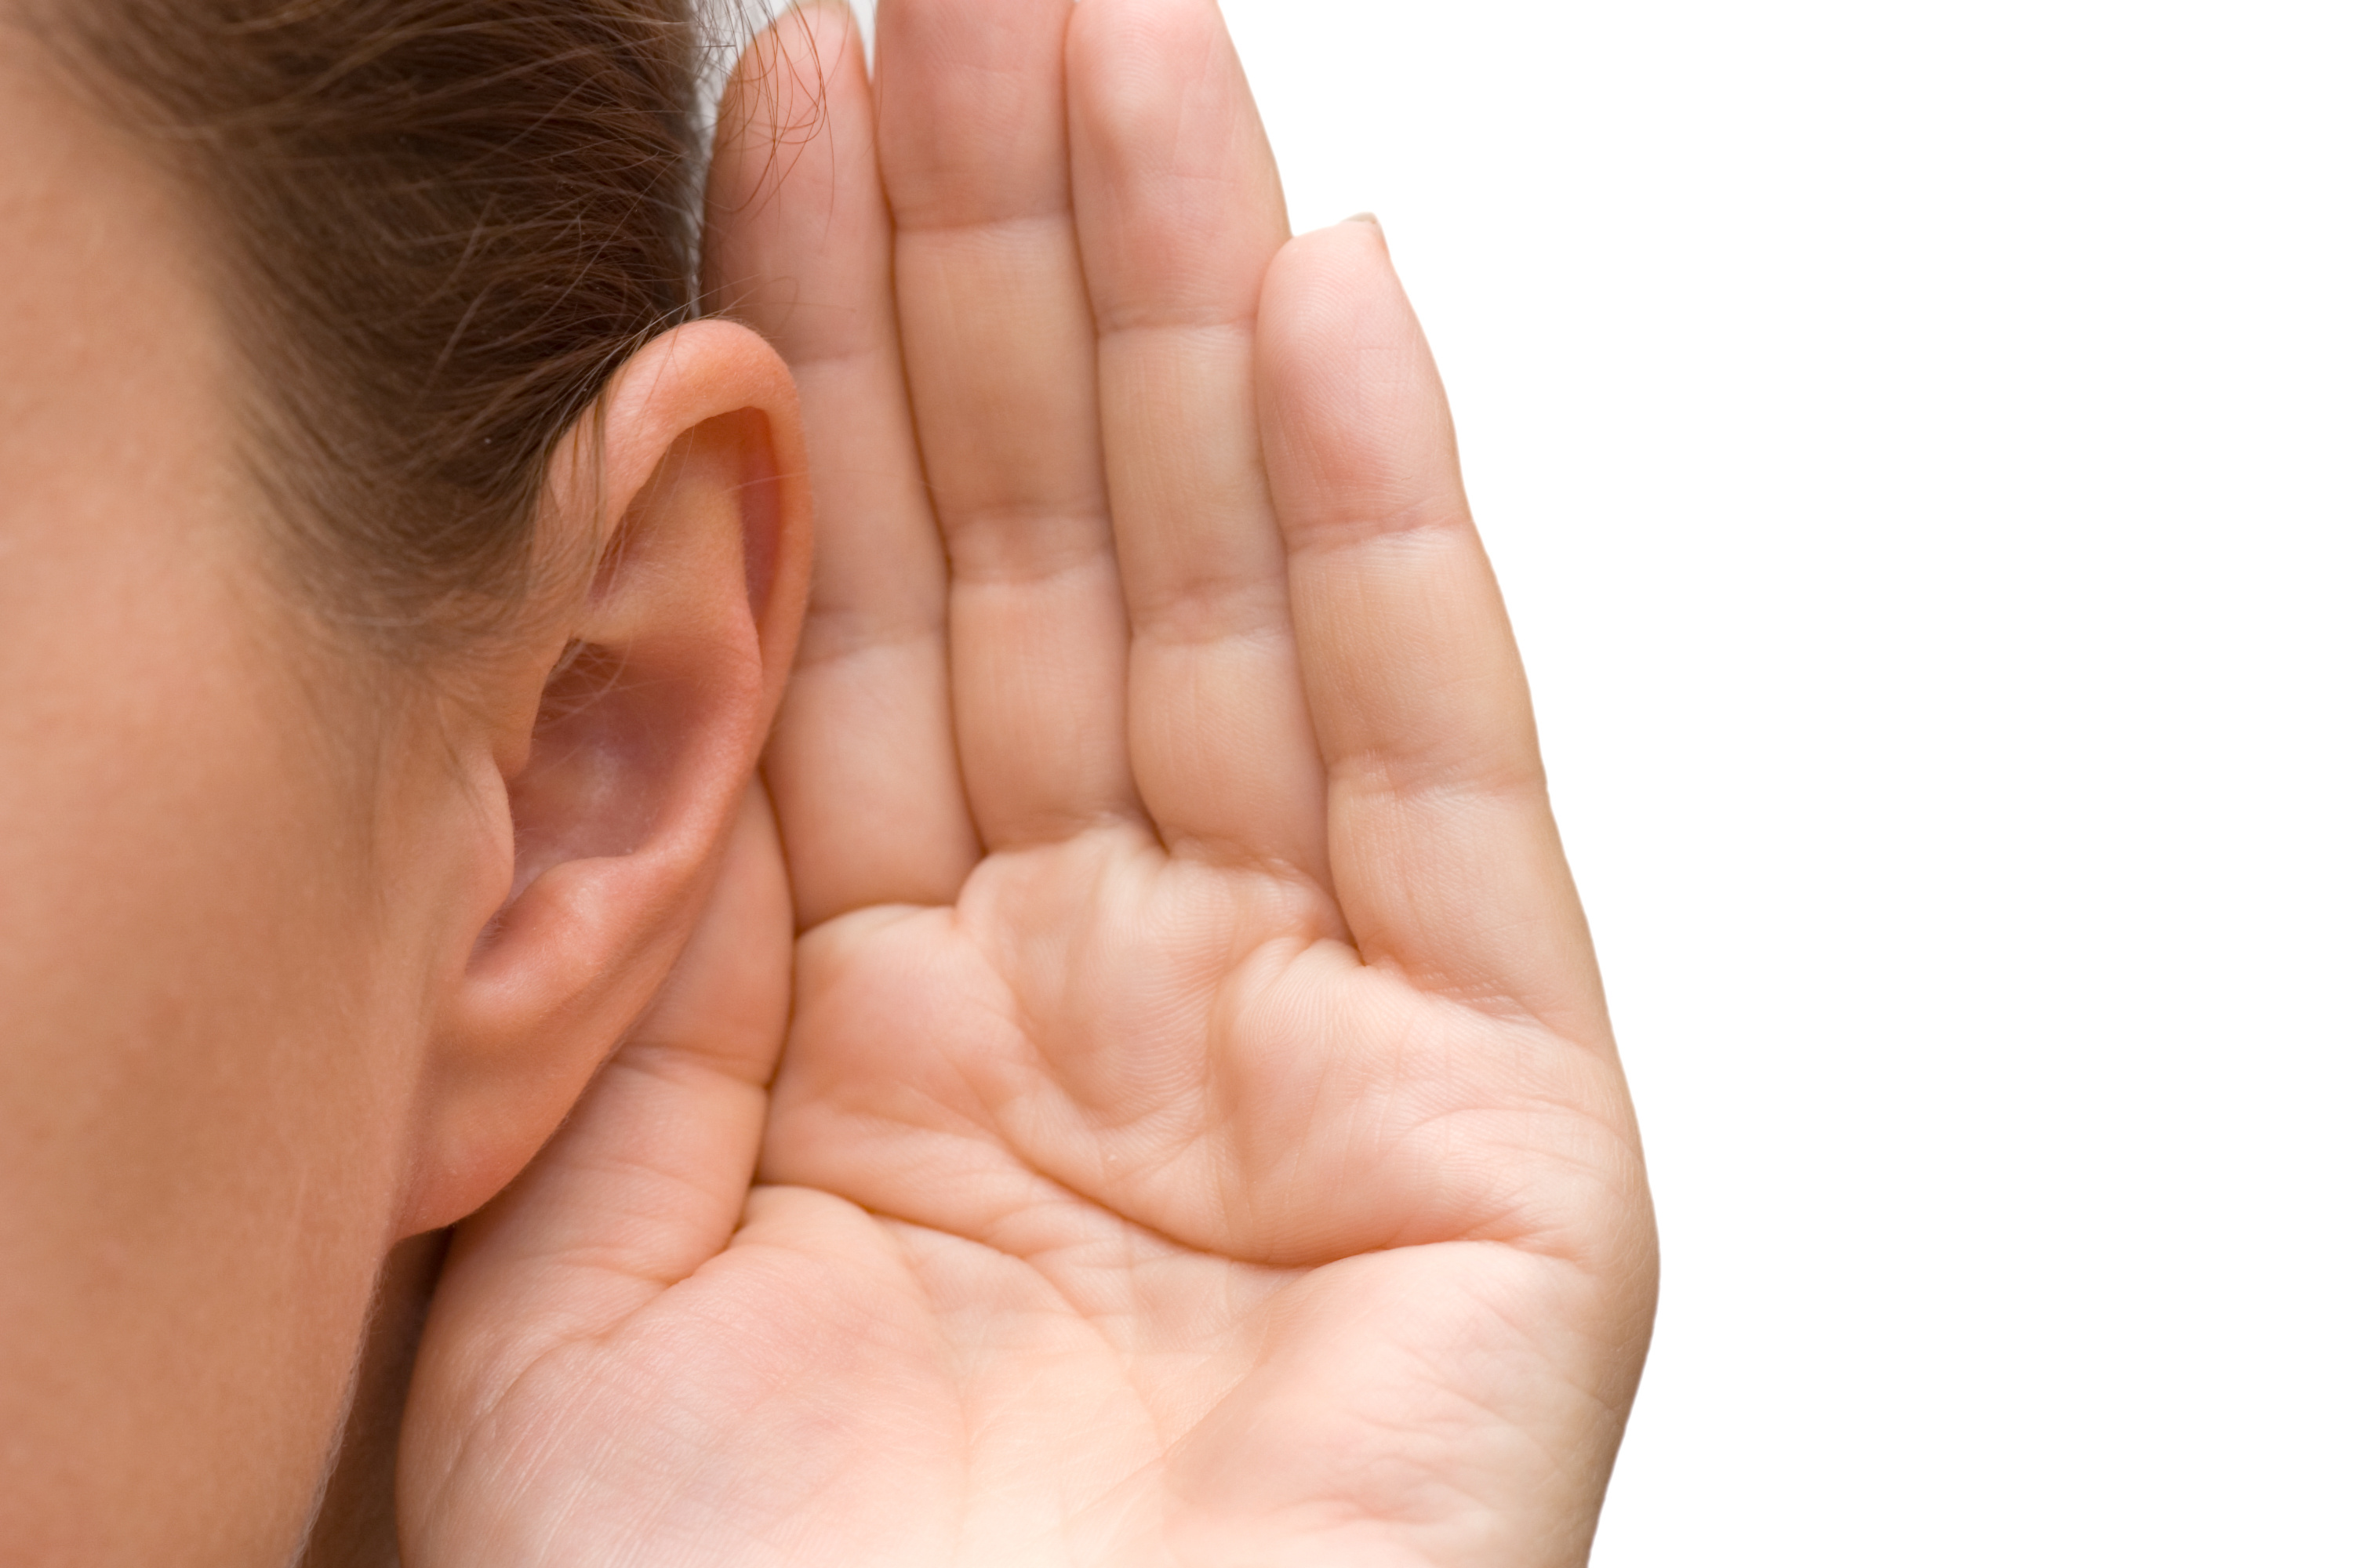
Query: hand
[(1199, 1139)]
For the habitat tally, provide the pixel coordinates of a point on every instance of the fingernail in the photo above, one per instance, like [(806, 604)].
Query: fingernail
[(1367, 217)]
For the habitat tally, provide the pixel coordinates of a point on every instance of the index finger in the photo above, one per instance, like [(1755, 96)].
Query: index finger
[(800, 247)]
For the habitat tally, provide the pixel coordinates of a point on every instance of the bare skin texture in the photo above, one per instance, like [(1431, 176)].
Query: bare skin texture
[(1198, 1139), (297, 958)]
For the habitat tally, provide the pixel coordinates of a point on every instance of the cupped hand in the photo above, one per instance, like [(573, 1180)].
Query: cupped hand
[(1198, 1140)]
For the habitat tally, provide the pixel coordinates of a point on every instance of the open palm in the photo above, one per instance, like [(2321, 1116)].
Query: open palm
[(1198, 1138)]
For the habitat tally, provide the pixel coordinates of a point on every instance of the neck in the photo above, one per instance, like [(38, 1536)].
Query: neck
[(355, 1525)]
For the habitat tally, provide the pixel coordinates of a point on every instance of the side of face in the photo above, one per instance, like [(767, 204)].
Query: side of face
[(204, 1075), (276, 987)]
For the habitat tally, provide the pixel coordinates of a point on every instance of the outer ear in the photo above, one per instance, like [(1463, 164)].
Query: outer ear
[(619, 745)]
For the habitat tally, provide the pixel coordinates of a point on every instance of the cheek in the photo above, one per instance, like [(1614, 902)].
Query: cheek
[(200, 1108)]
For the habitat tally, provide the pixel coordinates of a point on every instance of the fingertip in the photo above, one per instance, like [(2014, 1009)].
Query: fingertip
[(779, 84), (1175, 190), (807, 25), (1340, 257), (1330, 293), (1112, 50), (1355, 426), (792, 147), (825, 28)]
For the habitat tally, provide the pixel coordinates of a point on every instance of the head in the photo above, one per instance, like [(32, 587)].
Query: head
[(396, 586)]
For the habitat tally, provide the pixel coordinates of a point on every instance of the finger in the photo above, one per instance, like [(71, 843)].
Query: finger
[(798, 245), (647, 1180), (1001, 357), (1446, 858), (1180, 213)]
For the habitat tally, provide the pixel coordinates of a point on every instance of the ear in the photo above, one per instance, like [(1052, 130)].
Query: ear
[(608, 758)]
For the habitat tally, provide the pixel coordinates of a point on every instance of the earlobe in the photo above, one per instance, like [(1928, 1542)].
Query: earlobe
[(625, 744)]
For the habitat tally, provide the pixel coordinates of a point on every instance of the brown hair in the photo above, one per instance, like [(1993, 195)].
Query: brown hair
[(442, 225)]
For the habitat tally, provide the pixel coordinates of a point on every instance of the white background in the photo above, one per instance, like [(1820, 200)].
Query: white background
[(1921, 446)]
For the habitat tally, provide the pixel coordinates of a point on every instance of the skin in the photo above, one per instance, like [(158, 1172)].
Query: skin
[(1171, 1119), (256, 1020), (1198, 1137)]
